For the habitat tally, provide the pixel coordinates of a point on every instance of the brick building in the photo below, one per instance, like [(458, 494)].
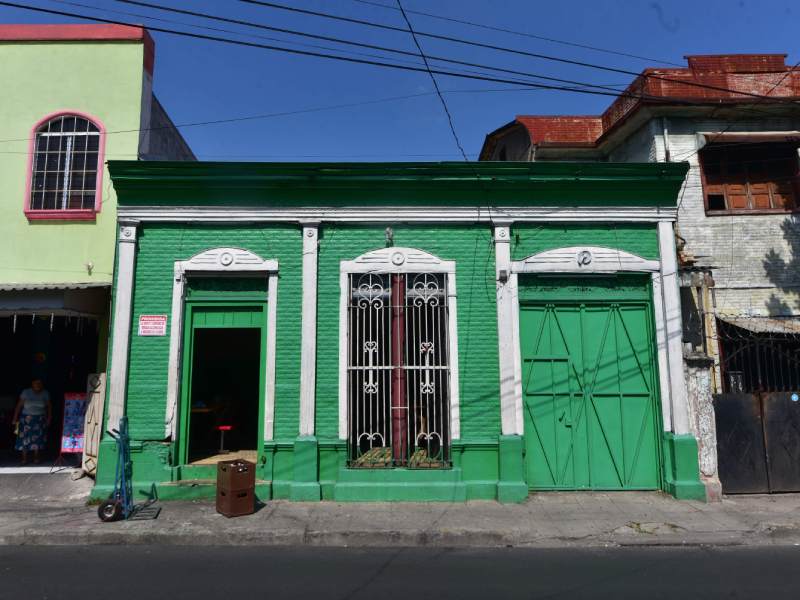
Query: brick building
[(399, 331), (736, 120)]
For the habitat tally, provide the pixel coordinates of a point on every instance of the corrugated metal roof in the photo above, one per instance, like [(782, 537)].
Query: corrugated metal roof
[(26, 287), (786, 325)]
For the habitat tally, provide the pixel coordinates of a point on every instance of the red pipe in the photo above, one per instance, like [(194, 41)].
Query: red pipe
[(399, 407)]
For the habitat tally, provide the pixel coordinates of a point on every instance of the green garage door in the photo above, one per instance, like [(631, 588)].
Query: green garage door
[(589, 384)]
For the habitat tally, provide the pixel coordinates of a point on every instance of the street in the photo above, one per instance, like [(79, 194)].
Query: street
[(122, 572)]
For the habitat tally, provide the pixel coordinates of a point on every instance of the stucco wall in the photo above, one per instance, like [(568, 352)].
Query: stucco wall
[(39, 79)]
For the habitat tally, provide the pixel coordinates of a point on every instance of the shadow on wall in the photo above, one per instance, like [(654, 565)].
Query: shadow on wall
[(785, 274)]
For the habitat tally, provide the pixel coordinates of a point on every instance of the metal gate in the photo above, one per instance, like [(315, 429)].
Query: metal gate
[(589, 395), (758, 416), (758, 442)]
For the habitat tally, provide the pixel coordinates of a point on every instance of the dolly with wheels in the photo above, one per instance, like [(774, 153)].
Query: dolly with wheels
[(120, 503)]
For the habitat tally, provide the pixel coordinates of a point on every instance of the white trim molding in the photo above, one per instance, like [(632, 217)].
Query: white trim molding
[(399, 260), (123, 307), (584, 259), (510, 416), (308, 355), (462, 214), (595, 260), (219, 261), (673, 331)]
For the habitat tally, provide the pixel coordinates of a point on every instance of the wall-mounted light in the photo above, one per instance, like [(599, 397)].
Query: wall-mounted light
[(389, 236)]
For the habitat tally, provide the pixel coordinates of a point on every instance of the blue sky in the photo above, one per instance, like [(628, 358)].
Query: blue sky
[(201, 80)]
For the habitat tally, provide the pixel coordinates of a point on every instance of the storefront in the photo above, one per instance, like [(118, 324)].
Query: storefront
[(54, 333), (399, 331)]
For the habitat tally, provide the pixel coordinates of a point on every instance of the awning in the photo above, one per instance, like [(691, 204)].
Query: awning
[(783, 325), (756, 137), (68, 300)]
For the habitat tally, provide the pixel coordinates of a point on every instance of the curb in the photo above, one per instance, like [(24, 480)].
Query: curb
[(390, 538)]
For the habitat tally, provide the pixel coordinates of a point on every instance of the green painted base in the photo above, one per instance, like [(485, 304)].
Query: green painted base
[(305, 485), (509, 492), (399, 485), (183, 490), (512, 486), (305, 492), (681, 468)]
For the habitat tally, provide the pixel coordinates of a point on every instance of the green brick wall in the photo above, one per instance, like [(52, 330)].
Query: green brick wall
[(637, 238), (160, 245), (471, 247)]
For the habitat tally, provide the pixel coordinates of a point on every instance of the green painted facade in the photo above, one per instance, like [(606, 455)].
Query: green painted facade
[(486, 464)]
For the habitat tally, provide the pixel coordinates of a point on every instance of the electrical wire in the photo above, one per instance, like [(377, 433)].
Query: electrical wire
[(323, 55), (384, 26), (523, 34), (435, 84), (339, 41)]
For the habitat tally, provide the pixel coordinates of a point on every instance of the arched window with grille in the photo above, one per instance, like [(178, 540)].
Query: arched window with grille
[(398, 359), (66, 159)]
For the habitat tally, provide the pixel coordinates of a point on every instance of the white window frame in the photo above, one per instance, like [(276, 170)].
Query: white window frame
[(221, 260), (396, 260)]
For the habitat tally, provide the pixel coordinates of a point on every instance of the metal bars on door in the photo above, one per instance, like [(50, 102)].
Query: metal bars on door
[(398, 371)]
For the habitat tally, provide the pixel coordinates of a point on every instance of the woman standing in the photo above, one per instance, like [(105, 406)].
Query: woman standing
[(32, 417)]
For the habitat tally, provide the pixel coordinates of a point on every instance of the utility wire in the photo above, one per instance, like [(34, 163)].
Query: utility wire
[(523, 34), (351, 60), (342, 41), (435, 84), (500, 48)]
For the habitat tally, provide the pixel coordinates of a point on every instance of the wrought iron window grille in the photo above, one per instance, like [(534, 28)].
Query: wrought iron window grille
[(398, 371)]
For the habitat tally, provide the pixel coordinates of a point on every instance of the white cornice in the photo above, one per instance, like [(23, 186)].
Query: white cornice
[(459, 214)]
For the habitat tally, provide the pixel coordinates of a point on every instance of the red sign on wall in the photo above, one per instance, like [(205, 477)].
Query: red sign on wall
[(152, 325)]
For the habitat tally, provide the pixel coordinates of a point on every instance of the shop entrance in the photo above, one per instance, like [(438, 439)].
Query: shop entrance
[(59, 350), (223, 391)]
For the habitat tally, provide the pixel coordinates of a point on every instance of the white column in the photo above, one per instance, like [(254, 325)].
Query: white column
[(505, 332), (308, 360), (126, 252), (673, 328)]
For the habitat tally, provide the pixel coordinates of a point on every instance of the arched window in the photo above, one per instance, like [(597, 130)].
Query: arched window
[(65, 160)]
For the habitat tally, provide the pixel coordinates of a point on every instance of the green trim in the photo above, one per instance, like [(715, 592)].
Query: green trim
[(681, 467), (240, 315), (305, 486), (410, 184), (512, 486)]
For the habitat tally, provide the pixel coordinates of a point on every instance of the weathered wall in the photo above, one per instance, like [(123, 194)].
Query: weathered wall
[(517, 145), (49, 77), (164, 141), (755, 258)]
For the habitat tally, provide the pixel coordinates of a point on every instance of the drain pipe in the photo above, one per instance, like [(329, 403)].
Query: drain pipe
[(665, 133)]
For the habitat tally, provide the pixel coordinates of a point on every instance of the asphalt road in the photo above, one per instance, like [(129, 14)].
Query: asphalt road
[(231, 573)]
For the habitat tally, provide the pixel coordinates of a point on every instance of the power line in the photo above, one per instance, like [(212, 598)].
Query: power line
[(340, 41), (346, 59), (435, 84), (351, 60), (500, 48), (523, 34)]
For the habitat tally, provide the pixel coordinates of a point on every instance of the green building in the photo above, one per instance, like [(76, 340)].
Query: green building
[(403, 331), (73, 96)]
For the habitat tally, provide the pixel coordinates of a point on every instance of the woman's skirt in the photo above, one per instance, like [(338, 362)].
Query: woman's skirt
[(32, 432)]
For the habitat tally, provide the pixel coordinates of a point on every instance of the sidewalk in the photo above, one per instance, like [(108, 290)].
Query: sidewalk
[(545, 520)]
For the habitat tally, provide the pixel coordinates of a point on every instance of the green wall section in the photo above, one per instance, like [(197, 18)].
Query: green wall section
[(103, 80), (637, 238), (471, 247), (486, 464), (159, 247)]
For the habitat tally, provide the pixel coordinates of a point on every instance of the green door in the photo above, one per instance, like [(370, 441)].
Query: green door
[(589, 385)]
